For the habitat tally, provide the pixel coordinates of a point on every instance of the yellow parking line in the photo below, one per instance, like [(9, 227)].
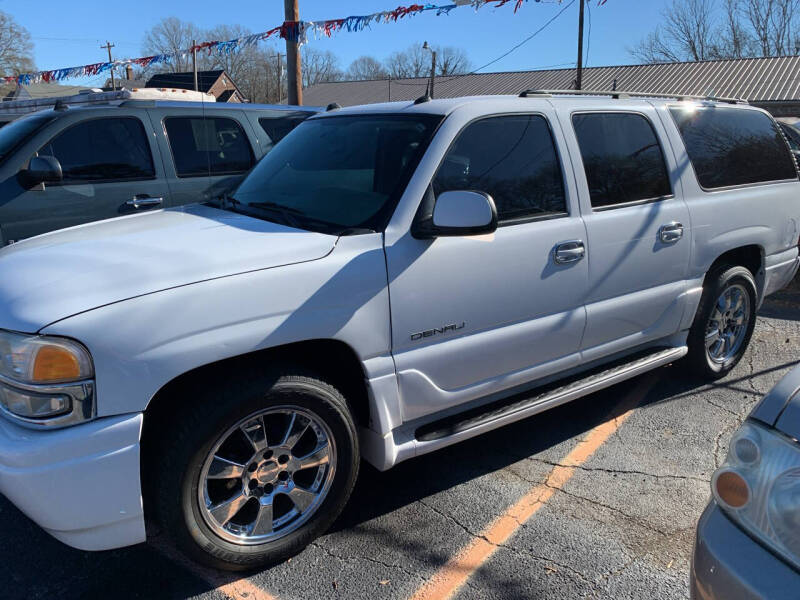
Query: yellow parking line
[(449, 579), (232, 586)]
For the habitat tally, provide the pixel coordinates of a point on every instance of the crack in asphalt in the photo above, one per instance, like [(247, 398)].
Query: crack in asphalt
[(368, 559), (618, 471), (451, 518)]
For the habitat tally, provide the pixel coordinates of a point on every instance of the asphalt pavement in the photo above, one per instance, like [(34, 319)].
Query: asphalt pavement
[(595, 499)]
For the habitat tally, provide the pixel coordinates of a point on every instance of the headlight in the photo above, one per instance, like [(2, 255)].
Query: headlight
[(45, 381), (41, 359), (759, 487)]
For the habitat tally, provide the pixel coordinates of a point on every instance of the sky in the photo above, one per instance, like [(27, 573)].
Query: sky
[(71, 37)]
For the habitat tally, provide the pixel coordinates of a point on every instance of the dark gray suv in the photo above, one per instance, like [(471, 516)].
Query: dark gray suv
[(748, 539), (71, 165)]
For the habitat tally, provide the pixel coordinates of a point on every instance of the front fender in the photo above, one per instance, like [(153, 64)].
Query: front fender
[(141, 344)]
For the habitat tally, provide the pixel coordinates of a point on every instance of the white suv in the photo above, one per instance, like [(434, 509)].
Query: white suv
[(389, 280)]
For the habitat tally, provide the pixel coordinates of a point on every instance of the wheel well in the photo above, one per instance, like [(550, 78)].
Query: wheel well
[(750, 257), (334, 361)]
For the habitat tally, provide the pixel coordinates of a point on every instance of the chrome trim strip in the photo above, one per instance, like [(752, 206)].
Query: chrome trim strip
[(81, 395)]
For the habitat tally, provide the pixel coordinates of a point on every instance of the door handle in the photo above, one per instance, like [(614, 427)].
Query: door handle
[(671, 233), (569, 252), (144, 201)]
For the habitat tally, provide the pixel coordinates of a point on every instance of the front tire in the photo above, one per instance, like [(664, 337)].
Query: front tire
[(724, 323), (257, 470)]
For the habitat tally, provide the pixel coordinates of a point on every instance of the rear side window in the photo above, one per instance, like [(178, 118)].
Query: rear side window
[(279, 126), (109, 149), (511, 158), (730, 146), (622, 158), (208, 146)]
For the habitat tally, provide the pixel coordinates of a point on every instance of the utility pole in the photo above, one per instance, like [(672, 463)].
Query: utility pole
[(294, 68), (425, 46), (194, 63), (579, 83), (108, 47), (280, 77)]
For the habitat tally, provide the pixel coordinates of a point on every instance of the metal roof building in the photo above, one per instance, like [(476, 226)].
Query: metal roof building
[(773, 83)]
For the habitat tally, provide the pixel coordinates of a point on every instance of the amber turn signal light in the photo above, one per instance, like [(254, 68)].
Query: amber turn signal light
[(54, 363), (732, 489)]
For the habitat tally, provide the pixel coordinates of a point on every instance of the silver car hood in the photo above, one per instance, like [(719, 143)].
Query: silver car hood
[(56, 275)]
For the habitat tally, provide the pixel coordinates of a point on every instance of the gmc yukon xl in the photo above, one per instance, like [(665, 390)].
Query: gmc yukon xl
[(389, 280)]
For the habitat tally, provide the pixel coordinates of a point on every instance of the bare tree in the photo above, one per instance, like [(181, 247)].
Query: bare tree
[(735, 40), (416, 62), (16, 49), (319, 66), (170, 36), (412, 62), (366, 67), (687, 32), (708, 29), (452, 61), (262, 77)]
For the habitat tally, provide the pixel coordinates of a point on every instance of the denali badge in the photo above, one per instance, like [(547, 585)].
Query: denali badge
[(437, 331)]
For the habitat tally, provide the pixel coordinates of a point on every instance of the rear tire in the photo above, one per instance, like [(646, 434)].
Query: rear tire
[(231, 486), (724, 322)]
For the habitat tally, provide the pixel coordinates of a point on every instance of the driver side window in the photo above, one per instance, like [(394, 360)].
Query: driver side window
[(513, 159)]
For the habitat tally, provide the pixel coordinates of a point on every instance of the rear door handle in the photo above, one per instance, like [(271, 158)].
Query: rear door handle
[(144, 201), (569, 252), (671, 232)]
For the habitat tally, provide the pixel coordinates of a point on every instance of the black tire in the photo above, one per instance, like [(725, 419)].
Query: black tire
[(716, 282), (213, 410)]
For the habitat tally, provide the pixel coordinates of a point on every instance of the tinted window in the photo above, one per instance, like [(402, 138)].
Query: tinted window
[(279, 126), (343, 171), (792, 136), (622, 158), (511, 158), (729, 146), (17, 132), (208, 146), (102, 149)]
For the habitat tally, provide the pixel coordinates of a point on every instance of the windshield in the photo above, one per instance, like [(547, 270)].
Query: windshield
[(341, 172), (16, 132)]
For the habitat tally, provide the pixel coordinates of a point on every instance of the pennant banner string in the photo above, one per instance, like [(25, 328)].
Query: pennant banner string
[(293, 31)]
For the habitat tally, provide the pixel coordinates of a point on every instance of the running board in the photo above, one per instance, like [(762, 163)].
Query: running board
[(484, 418)]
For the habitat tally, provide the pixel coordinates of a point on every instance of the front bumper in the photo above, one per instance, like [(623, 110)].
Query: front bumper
[(728, 564), (80, 484)]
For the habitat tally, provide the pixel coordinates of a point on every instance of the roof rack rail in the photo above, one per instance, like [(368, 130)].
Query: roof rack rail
[(620, 94)]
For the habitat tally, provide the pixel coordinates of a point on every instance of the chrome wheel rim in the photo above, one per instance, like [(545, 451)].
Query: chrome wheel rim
[(267, 475), (727, 326)]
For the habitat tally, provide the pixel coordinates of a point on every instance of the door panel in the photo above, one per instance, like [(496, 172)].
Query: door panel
[(473, 316), (109, 171), (638, 227), (512, 306), (207, 153)]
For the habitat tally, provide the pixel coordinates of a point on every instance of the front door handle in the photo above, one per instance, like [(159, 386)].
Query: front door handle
[(569, 252), (144, 201), (671, 233)]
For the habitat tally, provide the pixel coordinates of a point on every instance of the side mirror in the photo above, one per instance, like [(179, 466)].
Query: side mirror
[(461, 213), (43, 169)]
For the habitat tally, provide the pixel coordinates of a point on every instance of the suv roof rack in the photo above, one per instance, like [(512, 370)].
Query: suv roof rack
[(619, 94)]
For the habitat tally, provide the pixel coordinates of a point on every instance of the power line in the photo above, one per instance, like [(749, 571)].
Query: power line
[(502, 56)]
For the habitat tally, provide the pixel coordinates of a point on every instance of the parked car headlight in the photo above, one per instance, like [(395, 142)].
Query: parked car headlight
[(45, 381), (758, 486)]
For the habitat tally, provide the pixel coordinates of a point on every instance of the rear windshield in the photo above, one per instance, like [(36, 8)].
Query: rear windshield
[(17, 132), (730, 146), (344, 171)]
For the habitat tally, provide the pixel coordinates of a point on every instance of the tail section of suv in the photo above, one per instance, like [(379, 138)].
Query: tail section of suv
[(245, 353), (66, 166)]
